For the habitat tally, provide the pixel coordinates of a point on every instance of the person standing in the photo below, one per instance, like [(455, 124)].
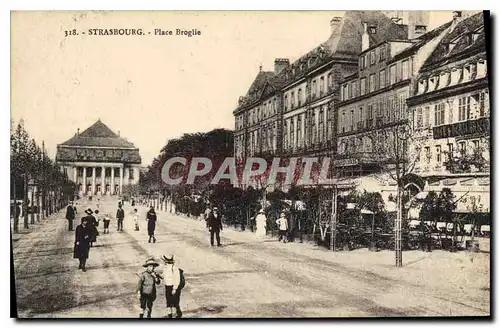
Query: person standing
[(70, 215), (82, 244), (106, 220), (136, 219), (120, 215), (91, 226), (261, 224), (207, 214), (146, 288), (151, 217), (173, 278), (215, 226), (282, 226)]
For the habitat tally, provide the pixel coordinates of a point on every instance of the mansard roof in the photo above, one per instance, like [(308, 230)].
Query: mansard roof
[(460, 37), (98, 135)]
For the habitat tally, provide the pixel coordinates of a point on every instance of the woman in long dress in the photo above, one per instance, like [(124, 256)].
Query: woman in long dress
[(261, 224), (151, 217)]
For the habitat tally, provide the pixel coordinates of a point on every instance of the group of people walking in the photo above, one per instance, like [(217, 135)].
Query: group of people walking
[(87, 231)]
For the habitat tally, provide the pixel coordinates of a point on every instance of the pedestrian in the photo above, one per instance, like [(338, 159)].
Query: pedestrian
[(106, 220), (207, 214), (91, 226), (136, 219), (120, 215), (282, 226), (151, 217), (146, 288), (261, 224), (173, 278), (70, 215), (215, 226), (82, 244)]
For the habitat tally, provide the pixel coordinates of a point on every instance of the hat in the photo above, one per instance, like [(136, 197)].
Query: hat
[(215, 208), (89, 211), (168, 258), (282, 215), (149, 262), (261, 210), (84, 219)]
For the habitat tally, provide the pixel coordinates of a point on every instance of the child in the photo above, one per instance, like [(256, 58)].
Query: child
[(106, 220), (174, 280), (283, 227), (146, 288), (136, 219)]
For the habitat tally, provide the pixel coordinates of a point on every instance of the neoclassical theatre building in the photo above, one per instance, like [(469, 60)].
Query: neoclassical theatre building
[(99, 161)]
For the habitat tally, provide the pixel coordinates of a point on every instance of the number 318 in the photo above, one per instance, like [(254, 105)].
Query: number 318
[(71, 32)]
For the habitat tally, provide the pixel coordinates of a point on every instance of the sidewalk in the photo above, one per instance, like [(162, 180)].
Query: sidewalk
[(442, 270)]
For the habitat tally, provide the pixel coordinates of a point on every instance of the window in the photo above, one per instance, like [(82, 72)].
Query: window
[(443, 80), (461, 147), (419, 120), (372, 57), (392, 73), (382, 53), (405, 69), (365, 61), (402, 105), (481, 69), (455, 76), (286, 102), (353, 91), (427, 116), (482, 104), (363, 86), (450, 149), (299, 129), (438, 154), (361, 62), (351, 123), (330, 80), (313, 90), (381, 79), (345, 95), (428, 154), (370, 112), (343, 122), (299, 97), (372, 82), (467, 74), (463, 108), (475, 144), (293, 99), (292, 136), (439, 114), (321, 85)]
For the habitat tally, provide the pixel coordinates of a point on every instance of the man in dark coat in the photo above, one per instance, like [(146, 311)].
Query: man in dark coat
[(120, 214), (82, 244), (214, 226), (70, 215), (151, 217)]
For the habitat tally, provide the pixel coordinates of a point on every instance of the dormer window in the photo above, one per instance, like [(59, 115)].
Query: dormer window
[(443, 80), (421, 86), (433, 83), (451, 45), (455, 76), (481, 69), (467, 74)]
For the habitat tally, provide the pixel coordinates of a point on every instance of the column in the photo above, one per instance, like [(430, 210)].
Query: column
[(112, 188), (84, 184), (121, 179), (136, 174), (75, 170), (126, 178), (93, 180), (103, 182)]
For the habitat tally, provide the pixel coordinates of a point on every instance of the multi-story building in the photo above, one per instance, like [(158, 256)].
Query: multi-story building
[(99, 161), (373, 100), (450, 114), (291, 110)]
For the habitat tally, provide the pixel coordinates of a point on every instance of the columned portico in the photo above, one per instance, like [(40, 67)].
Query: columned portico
[(101, 150)]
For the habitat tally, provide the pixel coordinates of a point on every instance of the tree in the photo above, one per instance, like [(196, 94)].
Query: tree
[(397, 154)]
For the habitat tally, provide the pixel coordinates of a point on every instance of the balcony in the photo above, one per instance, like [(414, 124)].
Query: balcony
[(460, 129)]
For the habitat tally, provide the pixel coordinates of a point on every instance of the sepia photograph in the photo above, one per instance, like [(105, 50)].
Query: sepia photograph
[(182, 165)]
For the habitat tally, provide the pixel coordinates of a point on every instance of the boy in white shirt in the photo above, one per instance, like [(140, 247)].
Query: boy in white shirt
[(282, 223), (136, 219)]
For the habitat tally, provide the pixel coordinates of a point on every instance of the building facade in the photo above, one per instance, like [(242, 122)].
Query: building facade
[(99, 161), (450, 115)]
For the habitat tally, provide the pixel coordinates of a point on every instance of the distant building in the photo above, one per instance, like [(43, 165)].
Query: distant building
[(450, 114), (99, 161)]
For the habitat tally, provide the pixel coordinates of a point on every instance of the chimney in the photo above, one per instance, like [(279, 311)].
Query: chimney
[(335, 24), (280, 64), (365, 38), (78, 131), (457, 16), (418, 21)]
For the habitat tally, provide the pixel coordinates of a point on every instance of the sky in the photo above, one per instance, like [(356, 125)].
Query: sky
[(150, 88)]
